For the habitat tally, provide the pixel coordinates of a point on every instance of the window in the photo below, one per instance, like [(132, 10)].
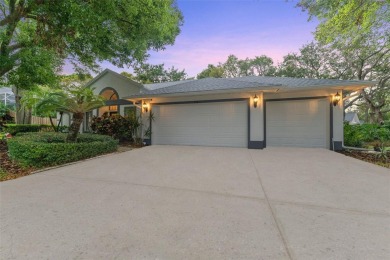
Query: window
[(111, 97)]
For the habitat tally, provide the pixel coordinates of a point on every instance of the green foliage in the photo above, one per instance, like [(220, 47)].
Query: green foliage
[(357, 135), (116, 126), (382, 155), (14, 129), (76, 79), (119, 31), (234, 67), (3, 109), (74, 99), (211, 72), (149, 73), (148, 131), (48, 149), (2, 137), (352, 136), (347, 20), (34, 96), (128, 75), (37, 36), (37, 66), (4, 115)]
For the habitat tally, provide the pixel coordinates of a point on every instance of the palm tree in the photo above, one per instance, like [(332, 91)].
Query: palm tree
[(76, 100), (32, 97)]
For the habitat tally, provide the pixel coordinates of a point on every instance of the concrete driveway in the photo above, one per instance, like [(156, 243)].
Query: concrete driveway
[(181, 202)]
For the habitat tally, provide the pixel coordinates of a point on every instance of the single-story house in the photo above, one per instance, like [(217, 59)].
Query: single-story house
[(352, 118), (254, 112)]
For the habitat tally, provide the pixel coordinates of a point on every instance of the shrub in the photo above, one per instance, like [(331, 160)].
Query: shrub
[(14, 129), (48, 149), (116, 126), (352, 136), (4, 116), (357, 135)]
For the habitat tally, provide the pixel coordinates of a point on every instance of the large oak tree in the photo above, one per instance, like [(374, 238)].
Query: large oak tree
[(347, 20), (83, 32)]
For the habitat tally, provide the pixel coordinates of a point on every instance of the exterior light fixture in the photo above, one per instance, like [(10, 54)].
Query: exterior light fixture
[(255, 100), (145, 107), (336, 99)]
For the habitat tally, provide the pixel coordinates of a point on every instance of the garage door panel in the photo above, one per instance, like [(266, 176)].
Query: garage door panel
[(302, 123), (296, 142), (207, 124)]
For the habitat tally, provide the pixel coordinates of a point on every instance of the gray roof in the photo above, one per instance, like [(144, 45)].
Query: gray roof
[(300, 82), (249, 82), (206, 84), (5, 90), (349, 116), (154, 86)]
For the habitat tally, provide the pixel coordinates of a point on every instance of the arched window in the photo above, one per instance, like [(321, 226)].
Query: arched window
[(109, 94)]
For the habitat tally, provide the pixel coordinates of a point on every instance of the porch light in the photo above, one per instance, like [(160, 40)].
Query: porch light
[(145, 107), (336, 99), (255, 100)]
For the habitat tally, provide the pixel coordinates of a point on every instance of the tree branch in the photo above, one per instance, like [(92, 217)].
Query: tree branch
[(15, 46), (352, 102)]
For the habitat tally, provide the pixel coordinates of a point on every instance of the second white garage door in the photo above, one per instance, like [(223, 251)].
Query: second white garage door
[(302, 123), (206, 124)]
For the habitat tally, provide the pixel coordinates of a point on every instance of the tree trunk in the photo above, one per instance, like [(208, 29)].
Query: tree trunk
[(59, 122), (378, 119), (22, 115), (52, 124), (376, 115), (74, 128), (366, 115)]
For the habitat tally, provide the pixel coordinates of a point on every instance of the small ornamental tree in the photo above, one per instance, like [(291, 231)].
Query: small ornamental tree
[(75, 100)]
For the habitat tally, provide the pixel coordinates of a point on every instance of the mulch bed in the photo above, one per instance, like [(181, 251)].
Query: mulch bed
[(368, 157), (11, 169)]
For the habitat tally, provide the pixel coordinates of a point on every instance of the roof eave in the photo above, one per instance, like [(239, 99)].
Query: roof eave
[(204, 92), (345, 86)]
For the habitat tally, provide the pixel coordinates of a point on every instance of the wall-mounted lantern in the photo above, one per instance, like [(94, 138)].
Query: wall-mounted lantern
[(145, 107), (255, 100), (336, 99)]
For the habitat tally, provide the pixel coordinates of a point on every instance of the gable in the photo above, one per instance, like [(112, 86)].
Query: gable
[(110, 79)]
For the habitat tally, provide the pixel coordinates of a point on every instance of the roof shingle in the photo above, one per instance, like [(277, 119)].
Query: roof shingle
[(249, 82)]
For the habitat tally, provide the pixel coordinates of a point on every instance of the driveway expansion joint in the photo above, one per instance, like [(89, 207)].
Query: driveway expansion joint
[(162, 187), (277, 223), (331, 209)]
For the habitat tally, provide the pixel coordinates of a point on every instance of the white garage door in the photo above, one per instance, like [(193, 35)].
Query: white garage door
[(206, 124), (303, 123)]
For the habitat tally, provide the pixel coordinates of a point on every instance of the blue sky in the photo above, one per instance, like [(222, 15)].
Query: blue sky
[(213, 29)]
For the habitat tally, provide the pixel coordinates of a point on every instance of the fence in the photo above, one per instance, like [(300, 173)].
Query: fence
[(36, 120)]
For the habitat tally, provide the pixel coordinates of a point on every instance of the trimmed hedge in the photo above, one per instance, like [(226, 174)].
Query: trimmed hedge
[(13, 129), (48, 149)]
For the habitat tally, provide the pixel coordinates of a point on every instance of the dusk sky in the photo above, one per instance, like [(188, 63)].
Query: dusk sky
[(246, 28)]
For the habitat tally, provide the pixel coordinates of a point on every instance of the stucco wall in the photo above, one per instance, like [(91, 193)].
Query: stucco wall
[(123, 86)]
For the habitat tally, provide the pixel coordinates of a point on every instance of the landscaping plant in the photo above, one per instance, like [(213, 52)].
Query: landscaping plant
[(14, 129), (366, 134), (76, 100), (49, 148), (116, 126)]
